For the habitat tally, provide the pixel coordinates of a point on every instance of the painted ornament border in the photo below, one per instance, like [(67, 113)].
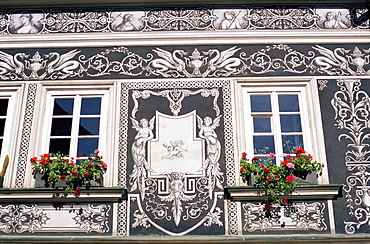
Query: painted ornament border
[(225, 85), (217, 17)]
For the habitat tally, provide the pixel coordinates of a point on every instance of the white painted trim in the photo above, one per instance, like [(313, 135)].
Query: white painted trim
[(160, 38)]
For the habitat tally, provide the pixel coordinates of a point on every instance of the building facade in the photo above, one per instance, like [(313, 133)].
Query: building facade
[(171, 96)]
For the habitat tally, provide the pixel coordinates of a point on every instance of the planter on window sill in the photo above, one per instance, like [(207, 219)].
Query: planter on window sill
[(303, 192), (50, 195)]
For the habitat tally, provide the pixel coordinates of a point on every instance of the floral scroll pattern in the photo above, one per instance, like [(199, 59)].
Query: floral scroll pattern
[(351, 106), (187, 62), (301, 216), (22, 218)]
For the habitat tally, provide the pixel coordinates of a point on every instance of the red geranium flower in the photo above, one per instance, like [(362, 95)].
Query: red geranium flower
[(288, 156), (74, 173), (63, 177), (268, 179), (241, 169), (71, 164), (244, 154), (267, 206), (299, 150), (87, 175), (90, 166), (96, 151), (255, 159), (285, 162), (285, 201), (289, 178), (266, 171), (78, 191)]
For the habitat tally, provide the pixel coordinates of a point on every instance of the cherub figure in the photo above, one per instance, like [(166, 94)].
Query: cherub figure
[(207, 132), (175, 149), (144, 134)]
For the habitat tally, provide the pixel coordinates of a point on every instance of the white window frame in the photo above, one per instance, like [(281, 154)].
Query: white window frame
[(274, 117), (309, 110), (11, 130), (107, 130)]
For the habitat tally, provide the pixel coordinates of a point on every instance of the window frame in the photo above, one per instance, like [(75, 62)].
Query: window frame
[(108, 128), (311, 117), (274, 115), (12, 128)]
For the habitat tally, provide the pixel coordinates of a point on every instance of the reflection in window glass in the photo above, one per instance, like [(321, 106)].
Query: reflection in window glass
[(262, 124), (63, 106), (91, 105), (260, 103), (290, 123), (87, 145), (3, 106), (263, 144), (89, 126), (288, 103), (291, 142), (61, 127), (59, 145)]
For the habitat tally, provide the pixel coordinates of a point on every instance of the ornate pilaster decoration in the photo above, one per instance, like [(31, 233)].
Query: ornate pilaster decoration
[(26, 134), (232, 218), (352, 106), (93, 218), (21, 218), (300, 216)]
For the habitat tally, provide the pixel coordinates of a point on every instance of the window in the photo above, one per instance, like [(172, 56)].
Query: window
[(275, 121), (77, 123), (4, 102)]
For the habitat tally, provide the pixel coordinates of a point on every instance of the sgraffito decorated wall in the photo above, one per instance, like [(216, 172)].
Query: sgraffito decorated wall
[(176, 118)]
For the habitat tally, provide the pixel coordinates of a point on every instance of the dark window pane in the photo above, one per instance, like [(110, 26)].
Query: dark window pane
[(260, 103), (61, 127), (292, 142), (59, 145), (1, 144), (263, 144), (2, 125), (87, 145), (262, 124), (290, 123), (90, 105), (89, 126), (288, 103), (63, 106), (3, 106)]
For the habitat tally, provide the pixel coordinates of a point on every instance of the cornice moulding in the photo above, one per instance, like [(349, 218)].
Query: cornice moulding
[(94, 194), (303, 192), (231, 37)]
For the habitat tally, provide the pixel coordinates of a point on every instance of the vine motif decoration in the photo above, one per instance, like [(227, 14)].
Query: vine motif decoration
[(180, 63), (352, 106), (302, 216), (93, 218), (22, 218)]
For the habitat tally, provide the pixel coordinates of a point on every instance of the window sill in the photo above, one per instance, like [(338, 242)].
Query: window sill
[(304, 192), (50, 195)]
